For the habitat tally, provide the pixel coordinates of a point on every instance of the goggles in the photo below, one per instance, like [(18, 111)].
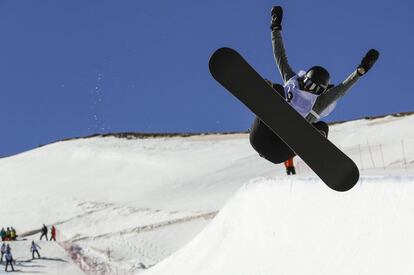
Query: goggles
[(312, 87)]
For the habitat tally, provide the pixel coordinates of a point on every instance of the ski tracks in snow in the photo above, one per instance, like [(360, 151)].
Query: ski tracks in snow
[(118, 248)]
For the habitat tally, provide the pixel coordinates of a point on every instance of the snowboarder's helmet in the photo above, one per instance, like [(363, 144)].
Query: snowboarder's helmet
[(316, 80)]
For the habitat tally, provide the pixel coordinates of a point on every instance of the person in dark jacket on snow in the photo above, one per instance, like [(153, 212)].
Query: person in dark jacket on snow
[(3, 234), (309, 92), (43, 232), (2, 251)]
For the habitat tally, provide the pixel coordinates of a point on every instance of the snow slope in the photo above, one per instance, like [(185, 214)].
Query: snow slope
[(276, 226), (54, 259), (124, 205)]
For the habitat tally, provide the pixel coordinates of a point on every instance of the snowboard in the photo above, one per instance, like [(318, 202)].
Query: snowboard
[(233, 72)]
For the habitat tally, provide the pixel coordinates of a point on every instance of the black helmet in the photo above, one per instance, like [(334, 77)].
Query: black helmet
[(316, 80)]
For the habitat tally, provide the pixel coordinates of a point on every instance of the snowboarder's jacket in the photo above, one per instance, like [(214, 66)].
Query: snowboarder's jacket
[(34, 247), (303, 101), (314, 108), (3, 248), (289, 163)]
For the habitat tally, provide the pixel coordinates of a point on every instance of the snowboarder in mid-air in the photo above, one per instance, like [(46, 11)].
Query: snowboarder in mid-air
[(309, 92)]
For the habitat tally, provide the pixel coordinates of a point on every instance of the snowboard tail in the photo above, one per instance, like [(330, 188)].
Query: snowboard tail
[(336, 169)]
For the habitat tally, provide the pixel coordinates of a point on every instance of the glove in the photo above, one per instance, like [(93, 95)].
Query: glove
[(367, 62), (277, 15)]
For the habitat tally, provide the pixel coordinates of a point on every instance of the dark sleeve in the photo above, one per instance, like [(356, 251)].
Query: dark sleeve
[(279, 54), (332, 95)]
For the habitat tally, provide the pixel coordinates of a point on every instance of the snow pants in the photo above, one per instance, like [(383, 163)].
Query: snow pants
[(33, 254), (290, 171), (45, 235), (7, 265), (270, 146)]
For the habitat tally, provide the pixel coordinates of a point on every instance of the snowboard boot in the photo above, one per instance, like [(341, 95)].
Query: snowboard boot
[(322, 127)]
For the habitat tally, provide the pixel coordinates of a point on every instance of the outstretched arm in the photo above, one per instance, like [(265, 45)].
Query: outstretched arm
[(336, 92), (332, 95), (279, 52)]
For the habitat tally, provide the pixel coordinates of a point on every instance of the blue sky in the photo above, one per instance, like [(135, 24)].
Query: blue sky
[(75, 68)]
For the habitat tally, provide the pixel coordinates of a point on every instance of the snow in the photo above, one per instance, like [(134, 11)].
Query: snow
[(54, 259), (277, 226), (209, 204)]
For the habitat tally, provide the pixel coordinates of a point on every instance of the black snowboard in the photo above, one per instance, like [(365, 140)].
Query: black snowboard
[(336, 169)]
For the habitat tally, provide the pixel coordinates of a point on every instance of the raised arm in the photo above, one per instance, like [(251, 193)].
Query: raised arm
[(336, 92), (279, 52)]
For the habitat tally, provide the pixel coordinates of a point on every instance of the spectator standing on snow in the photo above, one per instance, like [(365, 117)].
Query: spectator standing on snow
[(8, 234), (8, 248), (34, 249), (13, 234), (44, 232), (53, 233), (9, 260), (2, 251), (290, 168), (3, 234)]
